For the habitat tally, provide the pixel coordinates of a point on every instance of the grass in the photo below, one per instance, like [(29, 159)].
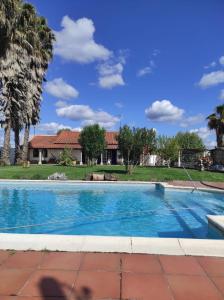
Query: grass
[(79, 172)]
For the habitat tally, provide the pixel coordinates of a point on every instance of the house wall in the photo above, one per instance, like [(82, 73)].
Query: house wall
[(148, 160), (54, 154)]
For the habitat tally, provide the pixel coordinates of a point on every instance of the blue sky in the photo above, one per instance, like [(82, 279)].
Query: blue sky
[(144, 63)]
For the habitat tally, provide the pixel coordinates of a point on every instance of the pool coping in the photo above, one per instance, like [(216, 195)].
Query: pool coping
[(163, 184), (112, 244)]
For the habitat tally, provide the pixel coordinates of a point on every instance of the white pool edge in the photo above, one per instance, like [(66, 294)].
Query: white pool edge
[(109, 244), (112, 244), (163, 184)]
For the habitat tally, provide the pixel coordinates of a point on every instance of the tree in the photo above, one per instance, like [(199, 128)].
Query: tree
[(63, 129), (125, 140), (133, 143), (92, 141), (8, 13), (189, 140), (12, 60), (25, 51), (168, 148), (216, 122), (42, 55)]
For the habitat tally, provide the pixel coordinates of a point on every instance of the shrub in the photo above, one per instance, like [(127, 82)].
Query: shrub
[(66, 158)]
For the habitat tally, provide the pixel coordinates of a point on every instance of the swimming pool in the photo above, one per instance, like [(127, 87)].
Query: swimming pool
[(144, 210)]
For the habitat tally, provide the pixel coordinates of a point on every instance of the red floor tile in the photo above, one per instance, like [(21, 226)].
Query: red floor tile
[(186, 265), (101, 261), (3, 255), (193, 288), (62, 260), (98, 285), (50, 283), (219, 282), (212, 265), (12, 280), (140, 263), (145, 287), (27, 259)]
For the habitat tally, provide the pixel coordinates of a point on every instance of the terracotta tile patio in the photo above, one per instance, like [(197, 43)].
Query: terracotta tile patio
[(88, 276)]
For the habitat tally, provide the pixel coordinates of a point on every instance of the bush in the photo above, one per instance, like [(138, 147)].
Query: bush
[(66, 158)]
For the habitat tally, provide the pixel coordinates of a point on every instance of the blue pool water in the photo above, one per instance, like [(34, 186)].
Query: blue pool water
[(106, 209)]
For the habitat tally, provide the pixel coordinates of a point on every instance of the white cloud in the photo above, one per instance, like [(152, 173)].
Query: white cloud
[(206, 135), (110, 81), (53, 127), (221, 95), (119, 104), (110, 73), (87, 115), (211, 65), (211, 79), (164, 111), (192, 120), (221, 60), (60, 89), (75, 41), (60, 103), (144, 71)]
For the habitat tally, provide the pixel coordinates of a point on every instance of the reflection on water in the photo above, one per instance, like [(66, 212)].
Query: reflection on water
[(126, 210)]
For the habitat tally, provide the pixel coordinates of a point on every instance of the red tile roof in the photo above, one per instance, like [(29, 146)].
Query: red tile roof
[(42, 141), (67, 139)]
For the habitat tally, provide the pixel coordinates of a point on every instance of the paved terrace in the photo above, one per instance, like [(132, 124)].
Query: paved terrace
[(86, 276)]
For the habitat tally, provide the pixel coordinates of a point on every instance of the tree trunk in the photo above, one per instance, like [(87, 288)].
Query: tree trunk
[(17, 158), (129, 169), (127, 166), (219, 138), (25, 143), (5, 159)]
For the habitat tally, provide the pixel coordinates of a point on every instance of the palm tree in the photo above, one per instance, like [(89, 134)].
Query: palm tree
[(24, 56), (8, 17), (9, 9), (43, 45), (13, 62), (216, 122)]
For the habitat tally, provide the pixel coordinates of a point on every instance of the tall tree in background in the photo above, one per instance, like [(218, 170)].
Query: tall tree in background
[(26, 49), (167, 149), (125, 140), (93, 142), (216, 122), (189, 140), (133, 143), (11, 60), (43, 51), (63, 129)]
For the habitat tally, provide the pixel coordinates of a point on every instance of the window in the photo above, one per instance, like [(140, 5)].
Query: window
[(35, 152)]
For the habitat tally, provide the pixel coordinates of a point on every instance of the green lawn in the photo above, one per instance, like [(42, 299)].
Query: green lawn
[(79, 172)]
